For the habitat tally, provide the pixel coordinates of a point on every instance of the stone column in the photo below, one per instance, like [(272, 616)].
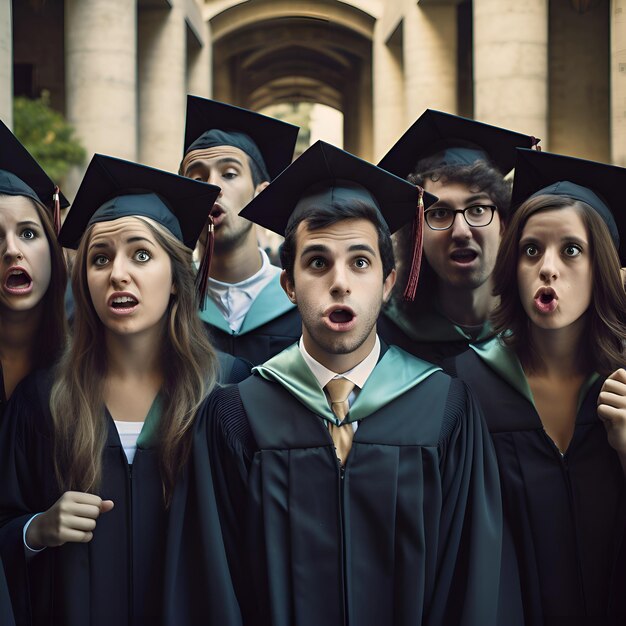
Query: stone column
[(162, 85), (511, 65), (6, 63), (430, 58), (388, 91), (101, 76), (618, 82), (199, 65)]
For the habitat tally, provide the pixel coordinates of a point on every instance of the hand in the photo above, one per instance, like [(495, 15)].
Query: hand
[(612, 410), (71, 518)]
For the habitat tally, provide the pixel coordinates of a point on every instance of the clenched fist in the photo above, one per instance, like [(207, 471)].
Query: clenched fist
[(612, 411), (71, 518)]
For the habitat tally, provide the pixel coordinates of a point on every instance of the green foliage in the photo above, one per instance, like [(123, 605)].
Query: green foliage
[(47, 136)]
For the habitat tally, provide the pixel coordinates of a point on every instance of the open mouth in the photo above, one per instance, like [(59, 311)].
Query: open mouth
[(17, 280), (464, 255), (217, 213), (341, 316), (546, 301), (124, 302)]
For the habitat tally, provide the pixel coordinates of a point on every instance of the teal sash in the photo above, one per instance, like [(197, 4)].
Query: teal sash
[(271, 303), (394, 375)]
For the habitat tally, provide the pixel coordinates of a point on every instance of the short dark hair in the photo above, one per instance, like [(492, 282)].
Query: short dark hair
[(326, 215), (257, 175), (605, 334), (480, 175)]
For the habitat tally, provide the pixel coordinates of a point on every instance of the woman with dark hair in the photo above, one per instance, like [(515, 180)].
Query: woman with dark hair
[(91, 452), (32, 318), (562, 329)]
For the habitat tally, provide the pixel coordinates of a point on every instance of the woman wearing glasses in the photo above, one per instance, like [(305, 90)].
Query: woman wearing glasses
[(544, 389)]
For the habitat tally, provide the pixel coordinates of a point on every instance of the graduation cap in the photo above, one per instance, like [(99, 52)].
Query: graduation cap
[(599, 185), (267, 141), (454, 140), (21, 175), (113, 188), (325, 174)]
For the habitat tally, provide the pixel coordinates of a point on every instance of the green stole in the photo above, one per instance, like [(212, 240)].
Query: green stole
[(503, 360), (394, 375), (148, 435), (432, 326), (271, 303)]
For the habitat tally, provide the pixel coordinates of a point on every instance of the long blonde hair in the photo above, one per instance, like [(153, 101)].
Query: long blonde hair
[(77, 402)]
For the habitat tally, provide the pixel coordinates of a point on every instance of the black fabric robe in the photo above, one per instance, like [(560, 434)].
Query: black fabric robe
[(130, 572), (567, 514), (262, 343), (271, 325), (437, 339), (407, 534)]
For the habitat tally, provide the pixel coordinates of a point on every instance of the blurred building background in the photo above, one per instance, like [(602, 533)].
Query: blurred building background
[(354, 73)]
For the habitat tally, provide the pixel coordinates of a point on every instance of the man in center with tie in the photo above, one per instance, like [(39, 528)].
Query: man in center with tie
[(355, 483)]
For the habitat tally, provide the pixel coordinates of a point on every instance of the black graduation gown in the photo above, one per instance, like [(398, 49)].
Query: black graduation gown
[(6, 613), (407, 534), (567, 514), (432, 338), (271, 325), (128, 573)]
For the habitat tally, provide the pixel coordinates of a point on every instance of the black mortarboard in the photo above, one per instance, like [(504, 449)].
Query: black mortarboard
[(454, 140), (114, 188), (21, 175), (324, 174), (267, 141), (599, 185)]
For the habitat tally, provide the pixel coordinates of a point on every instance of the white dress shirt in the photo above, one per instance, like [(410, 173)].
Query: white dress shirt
[(234, 300)]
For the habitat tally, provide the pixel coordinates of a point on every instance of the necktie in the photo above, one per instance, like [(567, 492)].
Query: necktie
[(338, 390)]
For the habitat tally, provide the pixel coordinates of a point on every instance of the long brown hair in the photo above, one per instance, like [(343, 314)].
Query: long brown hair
[(189, 371), (52, 332), (605, 335)]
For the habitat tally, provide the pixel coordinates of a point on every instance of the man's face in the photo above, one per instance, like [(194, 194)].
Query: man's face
[(463, 257), (339, 288), (229, 168)]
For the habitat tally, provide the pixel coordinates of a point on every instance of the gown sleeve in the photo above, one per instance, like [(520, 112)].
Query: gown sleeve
[(467, 589), (27, 478)]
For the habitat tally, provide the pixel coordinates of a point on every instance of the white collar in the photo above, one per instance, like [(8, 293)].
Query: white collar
[(358, 374)]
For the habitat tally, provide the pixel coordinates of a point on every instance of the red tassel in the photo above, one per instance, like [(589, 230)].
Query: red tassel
[(534, 143), (418, 245), (57, 209), (202, 278)]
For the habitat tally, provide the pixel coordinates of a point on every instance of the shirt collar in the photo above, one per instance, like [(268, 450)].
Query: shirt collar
[(267, 269), (357, 375)]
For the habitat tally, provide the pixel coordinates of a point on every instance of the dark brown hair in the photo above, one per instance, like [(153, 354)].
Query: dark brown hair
[(605, 335), (52, 332)]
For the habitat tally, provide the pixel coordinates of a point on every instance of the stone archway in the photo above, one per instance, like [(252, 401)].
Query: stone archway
[(267, 52)]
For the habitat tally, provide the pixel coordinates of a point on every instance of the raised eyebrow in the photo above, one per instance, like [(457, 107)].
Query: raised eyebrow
[(576, 240), (362, 247), (29, 223), (139, 238), (314, 247), (227, 160)]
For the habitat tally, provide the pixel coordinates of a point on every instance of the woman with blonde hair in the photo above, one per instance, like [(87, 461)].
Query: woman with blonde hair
[(551, 379), (91, 453)]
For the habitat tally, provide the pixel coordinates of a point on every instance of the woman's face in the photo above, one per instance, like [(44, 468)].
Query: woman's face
[(25, 250), (554, 272), (129, 276)]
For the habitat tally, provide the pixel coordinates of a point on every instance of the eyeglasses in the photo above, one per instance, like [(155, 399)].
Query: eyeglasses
[(477, 216)]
